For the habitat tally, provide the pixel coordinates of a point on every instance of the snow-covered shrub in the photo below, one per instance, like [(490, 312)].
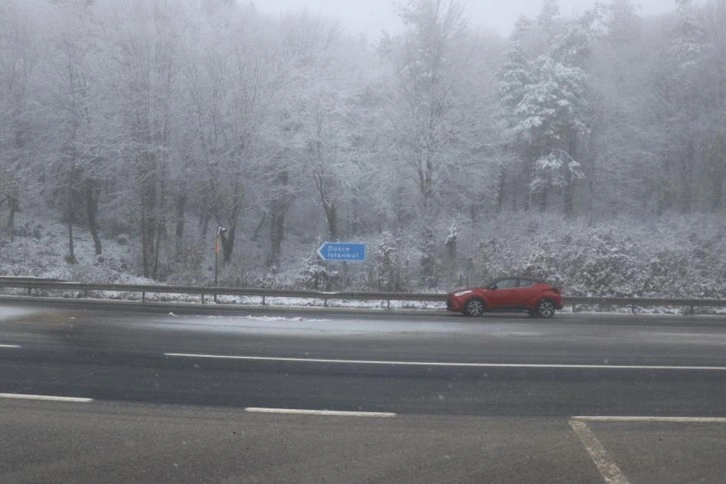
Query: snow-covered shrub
[(187, 267), (610, 266), (482, 262), (269, 279), (313, 274), (387, 265), (542, 264)]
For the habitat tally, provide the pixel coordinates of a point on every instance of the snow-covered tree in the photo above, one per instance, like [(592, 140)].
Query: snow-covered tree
[(74, 93), (433, 123), (231, 80), (678, 83), (19, 56), (547, 99), (145, 60)]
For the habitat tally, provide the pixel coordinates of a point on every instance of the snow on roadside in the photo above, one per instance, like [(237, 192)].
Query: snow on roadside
[(40, 250)]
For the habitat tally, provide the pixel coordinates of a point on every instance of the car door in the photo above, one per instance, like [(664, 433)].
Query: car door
[(503, 294), (525, 292)]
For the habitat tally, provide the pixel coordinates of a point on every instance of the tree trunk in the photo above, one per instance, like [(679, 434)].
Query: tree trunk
[(331, 215), (277, 220), (501, 181), (428, 255), (428, 246), (145, 242), (259, 226), (277, 233), (717, 196), (71, 258), (543, 199), (687, 167), (13, 206), (717, 169), (92, 195), (159, 233), (157, 250), (181, 201), (355, 224), (204, 219), (228, 244), (570, 181)]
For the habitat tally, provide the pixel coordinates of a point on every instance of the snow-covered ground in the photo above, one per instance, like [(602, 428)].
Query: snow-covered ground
[(39, 249), (616, 258)]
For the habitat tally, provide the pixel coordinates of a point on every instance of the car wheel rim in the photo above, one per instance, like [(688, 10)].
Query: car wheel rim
[(546, 309), (474, 308)]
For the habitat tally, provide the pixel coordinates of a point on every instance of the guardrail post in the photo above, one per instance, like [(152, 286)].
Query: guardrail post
[(388, 303), (263, 300), (632, 308), (30, 291), (325, 302), (143, 296), (202, 298)]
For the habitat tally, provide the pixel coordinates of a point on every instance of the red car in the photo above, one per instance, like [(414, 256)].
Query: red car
[(538, 298)]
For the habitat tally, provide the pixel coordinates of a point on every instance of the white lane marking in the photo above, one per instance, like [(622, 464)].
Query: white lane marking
[(646, 419), (9, 346), (326, 413), (607, 467), (48, 398), (449, 364)]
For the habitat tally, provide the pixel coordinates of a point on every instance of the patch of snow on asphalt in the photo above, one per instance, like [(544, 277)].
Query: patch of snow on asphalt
[(12, 312)]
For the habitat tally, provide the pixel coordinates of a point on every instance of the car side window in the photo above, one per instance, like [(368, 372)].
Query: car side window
[(526, 283), (506, 284)]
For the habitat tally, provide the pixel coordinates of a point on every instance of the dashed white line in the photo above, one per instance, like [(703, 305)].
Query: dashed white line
[(646, 419), (46, 398), (324, 413), (10, 346), (450, 364), (607, 467)]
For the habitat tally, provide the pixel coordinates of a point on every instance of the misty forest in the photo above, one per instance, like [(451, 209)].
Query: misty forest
[(588, 150)]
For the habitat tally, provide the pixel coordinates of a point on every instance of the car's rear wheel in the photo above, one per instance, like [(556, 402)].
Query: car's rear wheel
[(545, 309), (474, 307)]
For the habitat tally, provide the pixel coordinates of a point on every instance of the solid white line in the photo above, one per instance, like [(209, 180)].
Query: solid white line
[(607, 467), (326, 413), (49, 398), (449, 364), (9, 346), (717, 420)]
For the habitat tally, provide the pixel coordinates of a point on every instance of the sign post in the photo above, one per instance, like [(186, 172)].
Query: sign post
[(342, 252)]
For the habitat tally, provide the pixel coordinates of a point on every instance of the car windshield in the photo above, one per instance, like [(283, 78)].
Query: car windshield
[(241, 241)]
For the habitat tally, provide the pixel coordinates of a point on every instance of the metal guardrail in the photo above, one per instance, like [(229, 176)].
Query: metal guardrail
[(645, 301), (203, 291), (636, 302), (87, 290)]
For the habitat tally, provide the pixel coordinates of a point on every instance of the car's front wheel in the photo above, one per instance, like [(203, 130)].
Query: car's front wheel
[(474, 307), (545, 309)]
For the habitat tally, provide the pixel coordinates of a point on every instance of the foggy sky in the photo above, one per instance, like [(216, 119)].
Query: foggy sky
[(373, 16)]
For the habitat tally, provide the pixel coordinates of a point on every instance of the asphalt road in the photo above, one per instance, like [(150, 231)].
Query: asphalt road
[(435, 399)]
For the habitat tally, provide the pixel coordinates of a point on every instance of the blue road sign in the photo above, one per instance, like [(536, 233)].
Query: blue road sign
[(342, 252)]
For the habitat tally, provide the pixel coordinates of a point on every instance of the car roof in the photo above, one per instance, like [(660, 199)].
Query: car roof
[(517, 276), (530, 278)]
